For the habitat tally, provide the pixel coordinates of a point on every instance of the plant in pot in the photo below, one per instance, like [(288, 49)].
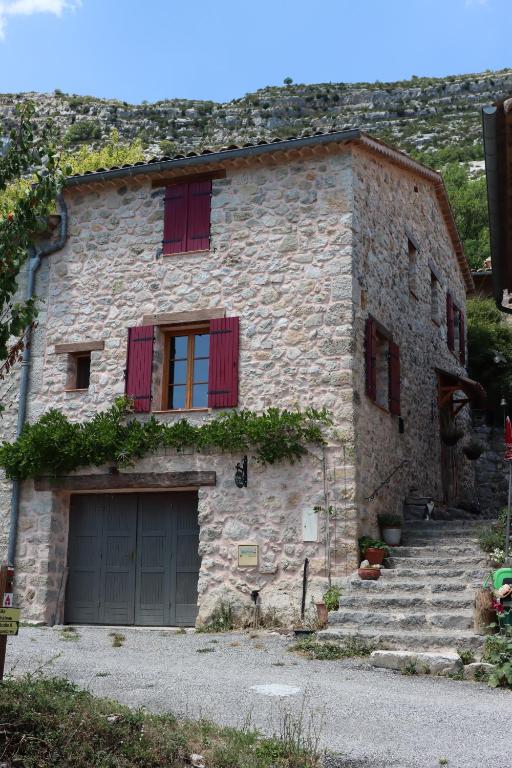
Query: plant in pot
[(473, 449), (391, 528), (369, 572), (373, 550), (330, 602)]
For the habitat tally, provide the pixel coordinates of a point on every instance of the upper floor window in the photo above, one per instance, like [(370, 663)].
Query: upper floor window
[(187, 209), (455, 329), (412, 252), (198, 368), (382, 367)]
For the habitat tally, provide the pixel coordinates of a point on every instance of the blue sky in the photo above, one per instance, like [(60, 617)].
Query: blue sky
[(221, 49)]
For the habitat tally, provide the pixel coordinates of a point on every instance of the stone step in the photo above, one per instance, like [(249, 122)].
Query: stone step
[(438, 639), (400, 601), (448, 563), (445, 550), (408, 621), (448, 528), (439, 541), (412, 586), (427, 575)]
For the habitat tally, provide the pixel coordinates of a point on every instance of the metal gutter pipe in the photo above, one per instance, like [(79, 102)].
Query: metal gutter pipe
[(490, 133), (34, 264)]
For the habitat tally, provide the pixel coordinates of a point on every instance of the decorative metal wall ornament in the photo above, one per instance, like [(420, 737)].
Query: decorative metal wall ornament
[(241, 473)]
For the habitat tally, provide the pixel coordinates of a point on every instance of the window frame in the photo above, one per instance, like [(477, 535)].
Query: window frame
[(169, 332), (72, 378)]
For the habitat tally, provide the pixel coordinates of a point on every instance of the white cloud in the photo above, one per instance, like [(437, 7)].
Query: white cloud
[(29, 7)]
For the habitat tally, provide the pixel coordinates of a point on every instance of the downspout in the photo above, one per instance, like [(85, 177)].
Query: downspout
[(34, 264), (492, 171)]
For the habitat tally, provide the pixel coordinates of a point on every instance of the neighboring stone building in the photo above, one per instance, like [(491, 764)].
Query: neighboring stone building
[(320, 271)]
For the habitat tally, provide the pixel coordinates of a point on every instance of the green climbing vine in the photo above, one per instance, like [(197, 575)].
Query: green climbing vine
[(55, 446)]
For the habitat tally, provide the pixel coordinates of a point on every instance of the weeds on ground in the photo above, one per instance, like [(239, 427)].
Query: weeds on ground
[(102, 674), (410, 668), (221, 620), (330, 651), (117, 639), (50, 721), (69, 634), (498, 651), (466, 656), (206, 649)]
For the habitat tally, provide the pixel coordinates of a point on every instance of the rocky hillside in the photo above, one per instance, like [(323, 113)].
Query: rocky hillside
[(437, 119)]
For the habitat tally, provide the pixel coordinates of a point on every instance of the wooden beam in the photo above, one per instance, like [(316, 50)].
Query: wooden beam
[(125, 480), (165, 181), (176, 318), (79, 346)]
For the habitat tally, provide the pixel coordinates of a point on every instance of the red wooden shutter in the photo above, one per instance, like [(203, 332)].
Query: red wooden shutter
[(199, 205), (450, 322), (175, 219), (462, 338), (223, 368), (371, 371), (139, 364), (394, 378)]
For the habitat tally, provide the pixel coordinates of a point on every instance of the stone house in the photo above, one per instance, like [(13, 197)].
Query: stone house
[(320, 271)]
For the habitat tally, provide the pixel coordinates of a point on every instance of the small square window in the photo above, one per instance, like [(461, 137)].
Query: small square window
[(79, 370)]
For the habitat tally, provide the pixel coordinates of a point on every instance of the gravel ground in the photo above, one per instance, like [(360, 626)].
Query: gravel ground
[(370, 718)]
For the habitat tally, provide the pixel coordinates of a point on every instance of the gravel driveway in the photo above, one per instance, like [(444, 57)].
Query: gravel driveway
[(373, 718)]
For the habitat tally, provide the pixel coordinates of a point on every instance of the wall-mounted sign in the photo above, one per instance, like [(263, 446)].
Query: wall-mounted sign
[(309, 525), (9, 621), (248, 554)]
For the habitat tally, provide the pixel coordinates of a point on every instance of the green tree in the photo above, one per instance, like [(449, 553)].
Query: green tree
[(30, 180), (490, 350), (468, 197)]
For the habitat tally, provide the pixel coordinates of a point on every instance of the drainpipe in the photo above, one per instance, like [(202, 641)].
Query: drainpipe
[(34, 264)]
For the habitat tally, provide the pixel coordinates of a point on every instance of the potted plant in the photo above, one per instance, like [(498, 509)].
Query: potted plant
[(373, 550), (472, 449), (391, 528), (450, 432), (368, 572)]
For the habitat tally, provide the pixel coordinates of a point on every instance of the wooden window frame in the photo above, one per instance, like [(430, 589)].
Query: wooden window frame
[(169, 333), (71, 384)]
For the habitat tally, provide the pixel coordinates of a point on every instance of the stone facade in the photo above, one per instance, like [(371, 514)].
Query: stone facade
[(301, 249)]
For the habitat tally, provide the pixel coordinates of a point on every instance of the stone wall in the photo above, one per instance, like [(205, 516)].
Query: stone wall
[(280, 259), (491, 471), (392, 205)]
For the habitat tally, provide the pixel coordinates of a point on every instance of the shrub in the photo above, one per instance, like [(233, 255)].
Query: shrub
[(85, 130), (331, 598), (488, 334), (493, 537), (498, 651)]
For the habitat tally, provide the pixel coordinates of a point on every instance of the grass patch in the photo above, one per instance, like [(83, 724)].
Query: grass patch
[(221, 620), (50, 721), (206, 649), (466, 656), (410, 668), (102, 674), (117, 639), (69, 634), (329, 651)]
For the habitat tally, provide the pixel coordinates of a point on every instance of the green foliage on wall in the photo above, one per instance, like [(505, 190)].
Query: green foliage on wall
[(55, 446), (489, 334)]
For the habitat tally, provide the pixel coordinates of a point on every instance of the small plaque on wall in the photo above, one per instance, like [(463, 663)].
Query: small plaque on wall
[(248, 554)]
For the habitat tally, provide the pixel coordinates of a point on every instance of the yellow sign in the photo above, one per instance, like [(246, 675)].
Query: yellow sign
[(248, 554), (10, 614), (8, 627)]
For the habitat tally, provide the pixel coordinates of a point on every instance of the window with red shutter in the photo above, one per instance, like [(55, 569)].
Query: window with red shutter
[(139, 367), (371, 373), (462, 338), (394, 378), (450, 318), (187, 209), (223, 371)]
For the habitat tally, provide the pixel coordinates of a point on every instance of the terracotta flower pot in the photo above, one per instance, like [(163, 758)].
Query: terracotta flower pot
[(375, 555), (369, 574)]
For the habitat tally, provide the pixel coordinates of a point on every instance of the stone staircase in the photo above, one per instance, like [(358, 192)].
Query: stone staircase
[(424, 599)]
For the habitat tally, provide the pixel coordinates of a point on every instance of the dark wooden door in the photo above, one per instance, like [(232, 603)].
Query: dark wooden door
[(133, 559)]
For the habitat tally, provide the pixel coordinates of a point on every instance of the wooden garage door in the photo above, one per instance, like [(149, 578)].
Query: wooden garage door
[(133, 559)]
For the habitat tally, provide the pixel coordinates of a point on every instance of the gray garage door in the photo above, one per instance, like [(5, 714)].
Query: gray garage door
[(133, 559)]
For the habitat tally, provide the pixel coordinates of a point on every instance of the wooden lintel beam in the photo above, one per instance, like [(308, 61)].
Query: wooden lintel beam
[(166, 180), (126, 481), (79, 346), (177, 318)]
